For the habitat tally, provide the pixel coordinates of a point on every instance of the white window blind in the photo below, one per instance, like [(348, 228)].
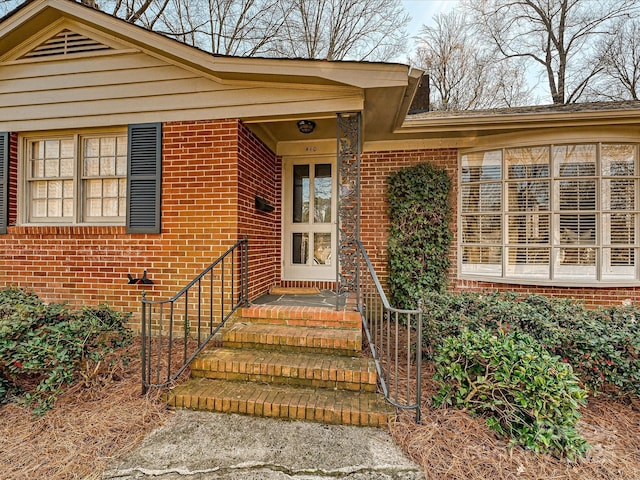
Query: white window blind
[(566, 213)]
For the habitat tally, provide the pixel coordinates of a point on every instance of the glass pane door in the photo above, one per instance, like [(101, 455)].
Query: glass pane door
[(308, 227)]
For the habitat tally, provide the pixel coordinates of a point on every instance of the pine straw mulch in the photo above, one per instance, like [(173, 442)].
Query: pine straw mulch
[(100, 418), (451, 445)]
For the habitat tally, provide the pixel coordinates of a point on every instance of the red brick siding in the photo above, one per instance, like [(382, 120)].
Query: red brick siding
[(259, 172), (208, 172), (376, 166)]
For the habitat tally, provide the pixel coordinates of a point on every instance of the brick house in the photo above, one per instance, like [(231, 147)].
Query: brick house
[(124, 151)]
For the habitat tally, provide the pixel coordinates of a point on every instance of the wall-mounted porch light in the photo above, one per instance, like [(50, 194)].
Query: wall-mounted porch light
[(306, 126)]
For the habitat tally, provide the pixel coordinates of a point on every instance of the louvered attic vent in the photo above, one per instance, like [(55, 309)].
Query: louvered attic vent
[(66, 43)]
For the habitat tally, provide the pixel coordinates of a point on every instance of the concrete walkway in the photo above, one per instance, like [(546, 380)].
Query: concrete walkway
[(211, 446)]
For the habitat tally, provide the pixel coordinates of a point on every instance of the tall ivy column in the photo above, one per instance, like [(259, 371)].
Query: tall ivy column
[(349, 149)]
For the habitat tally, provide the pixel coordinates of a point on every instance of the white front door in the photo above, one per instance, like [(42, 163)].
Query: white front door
[(309, 219)]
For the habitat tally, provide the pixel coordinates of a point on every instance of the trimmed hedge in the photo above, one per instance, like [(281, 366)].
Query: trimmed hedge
[(602, 345)]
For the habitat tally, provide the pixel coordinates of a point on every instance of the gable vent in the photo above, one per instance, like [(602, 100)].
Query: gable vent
[(66, 43)]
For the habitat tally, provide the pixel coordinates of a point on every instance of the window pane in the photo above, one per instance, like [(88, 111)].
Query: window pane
[(39, 208), (322, 248), (37, 169), (300, 250), (104, 197), (91, 167), (107, 166), (619, 194), (576, 194), (67, 167), (483, 166), (618, 160), (483, 197), (52, 168), (92, 147), (482, 229), (39, 190), (37, 150), (94, 207), (618, 264), (577, 229), (575, 160), (300, 193), (93, 188), (482, 260), (107, 146), (619, 228), (528, 262), (54, 208), (121, 146), (121, 166), (110, 188), (67, 207), (527, 196), (532, 162), (52, 149), (528, 229), (110, 207), (322, 193)]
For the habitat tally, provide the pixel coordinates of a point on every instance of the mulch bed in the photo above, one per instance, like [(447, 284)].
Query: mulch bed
[(450, 444), (104, 416), (100, 418)]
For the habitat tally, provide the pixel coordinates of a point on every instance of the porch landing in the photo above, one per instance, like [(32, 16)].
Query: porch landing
[(324, 298)]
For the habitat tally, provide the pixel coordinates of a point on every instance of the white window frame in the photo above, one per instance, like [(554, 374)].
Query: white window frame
[(549, 273), (79, 215)]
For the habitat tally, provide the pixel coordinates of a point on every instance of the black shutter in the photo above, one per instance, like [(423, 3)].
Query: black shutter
[(144, 171), (4, 181)]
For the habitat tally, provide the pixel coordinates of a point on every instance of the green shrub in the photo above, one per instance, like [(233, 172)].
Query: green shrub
[(524, 393), (602, 345), (419, 236), (44, 344)]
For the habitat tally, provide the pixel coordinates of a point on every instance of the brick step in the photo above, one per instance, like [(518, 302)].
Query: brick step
[(301, 316), (335, 341), (282, 401), (284, 368)]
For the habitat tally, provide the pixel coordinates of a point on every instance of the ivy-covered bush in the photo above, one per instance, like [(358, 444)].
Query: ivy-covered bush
[(43, 345), (419, 238), (602, 345), (524, 393)]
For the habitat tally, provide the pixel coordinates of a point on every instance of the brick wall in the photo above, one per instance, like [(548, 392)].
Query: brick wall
[(376, 166), (259, 173), (211, 171)]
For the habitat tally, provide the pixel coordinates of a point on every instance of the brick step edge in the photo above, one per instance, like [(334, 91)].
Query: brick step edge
[(294, 403), (346, 342), (309, 370), (301, 316)]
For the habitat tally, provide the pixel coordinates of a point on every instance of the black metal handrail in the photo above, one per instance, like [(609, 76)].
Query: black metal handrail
[(394, 337), (191, 318)]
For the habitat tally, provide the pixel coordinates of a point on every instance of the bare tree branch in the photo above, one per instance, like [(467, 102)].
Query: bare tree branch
[(558, 35)]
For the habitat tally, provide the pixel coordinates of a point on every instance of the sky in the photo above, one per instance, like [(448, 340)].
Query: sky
[(422, 11)]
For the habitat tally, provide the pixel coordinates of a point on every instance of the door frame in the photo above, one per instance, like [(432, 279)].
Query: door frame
[(290, 271)]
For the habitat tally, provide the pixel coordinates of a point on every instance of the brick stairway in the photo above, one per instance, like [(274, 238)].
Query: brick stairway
[(289, 362)]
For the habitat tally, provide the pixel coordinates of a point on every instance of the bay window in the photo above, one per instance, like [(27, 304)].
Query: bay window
[(560, 213)]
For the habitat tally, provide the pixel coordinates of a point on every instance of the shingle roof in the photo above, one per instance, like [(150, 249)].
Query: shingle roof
[(534, 109)]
